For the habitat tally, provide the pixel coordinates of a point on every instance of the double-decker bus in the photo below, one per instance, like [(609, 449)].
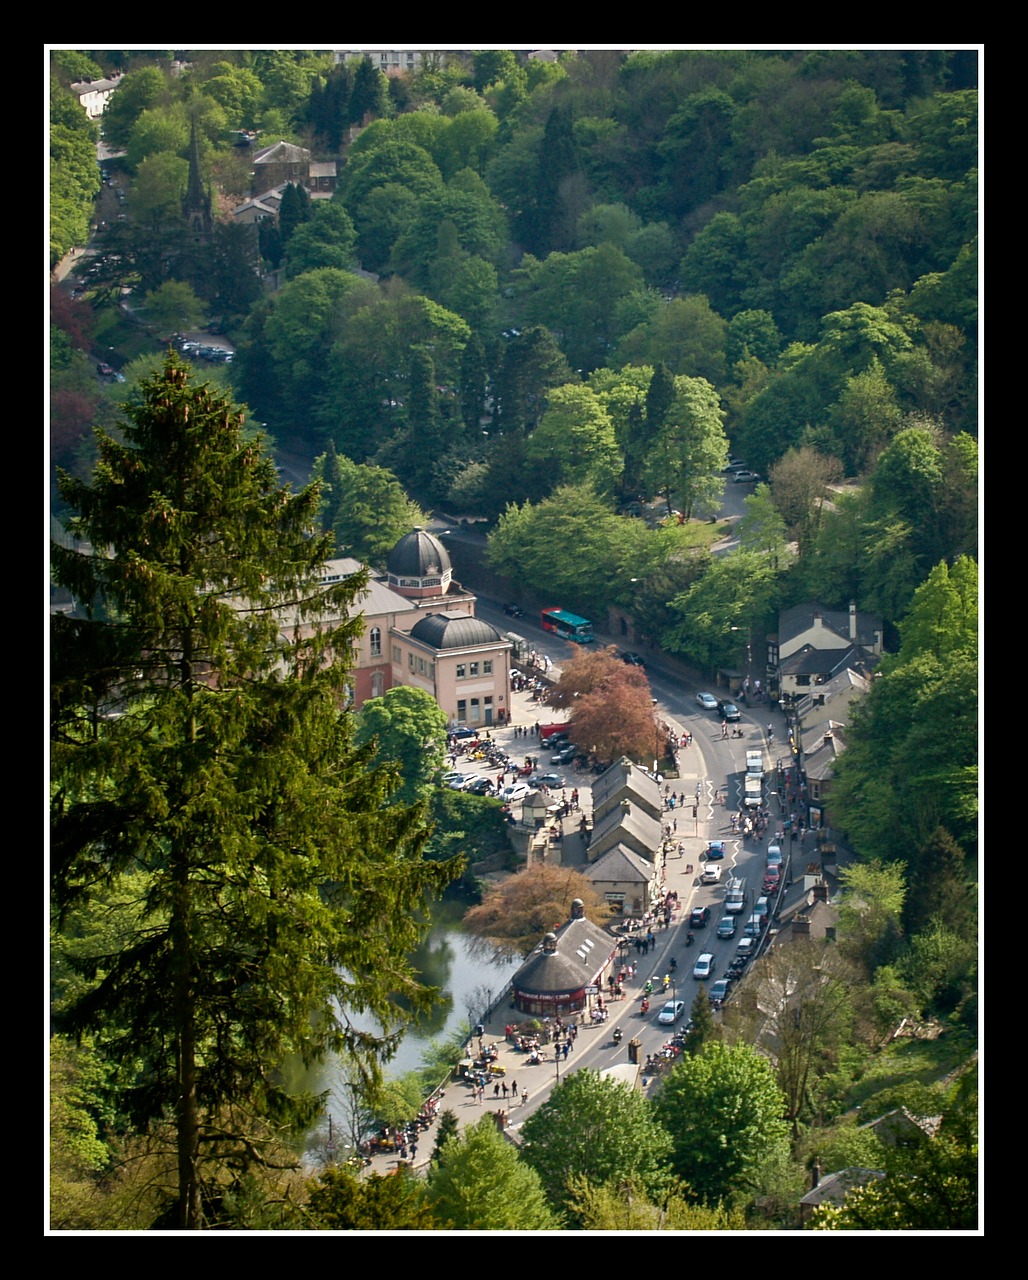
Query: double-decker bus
[(569, 626)]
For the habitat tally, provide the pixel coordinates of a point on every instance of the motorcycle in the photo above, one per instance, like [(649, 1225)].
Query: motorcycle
[(618, 1035), (644, 1008), (689, 939), (674, 964), (648, 987)]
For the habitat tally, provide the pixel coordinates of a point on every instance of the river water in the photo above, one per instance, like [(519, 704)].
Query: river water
[(468, 976)]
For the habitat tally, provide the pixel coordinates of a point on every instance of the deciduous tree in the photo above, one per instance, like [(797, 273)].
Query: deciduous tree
[(599, 1129), (482, 1184), (611, 706), (518, 911), (408, 727)]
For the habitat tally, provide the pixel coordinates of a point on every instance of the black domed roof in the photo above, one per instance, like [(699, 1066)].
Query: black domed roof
[(419, 554), (445, 631)]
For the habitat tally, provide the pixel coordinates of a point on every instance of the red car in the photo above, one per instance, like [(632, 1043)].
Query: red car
[(771, 882)]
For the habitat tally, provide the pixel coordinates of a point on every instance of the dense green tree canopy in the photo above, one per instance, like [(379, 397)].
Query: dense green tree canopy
[(482, 1184), (409, 728), (599, 1129), (723, 1109)]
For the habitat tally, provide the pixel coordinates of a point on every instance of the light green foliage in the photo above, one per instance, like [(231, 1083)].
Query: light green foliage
[(230, 782), (686, 335), (158, 129), (74, 176), (930, 1187), (626, 1206), (528, 541), (158, 187), (598, 1129), (689, 449), (365, 507), (173, 306), (342, 1201), (723, 1109), (408, 728), (871, 909), (735, 591), (137, 91), (328, 239), (482, 1184), (574, 443), (762, 528)]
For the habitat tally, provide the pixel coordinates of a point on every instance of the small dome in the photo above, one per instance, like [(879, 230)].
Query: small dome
[(445, 631), (419, 554)]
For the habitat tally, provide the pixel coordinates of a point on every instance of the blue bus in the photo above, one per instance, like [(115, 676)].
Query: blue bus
[(569, 626)]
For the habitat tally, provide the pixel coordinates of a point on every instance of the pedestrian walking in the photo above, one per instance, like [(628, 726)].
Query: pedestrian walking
[(504, 1087), (513, 1088), (496, 1090), (524, 1097)]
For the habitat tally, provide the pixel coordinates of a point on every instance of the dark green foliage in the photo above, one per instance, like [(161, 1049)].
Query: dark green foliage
[(198, 749), (341, 1201)]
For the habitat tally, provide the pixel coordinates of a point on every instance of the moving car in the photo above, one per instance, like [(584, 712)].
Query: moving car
[(711, 873), (774, 855), (633, 659), (714, 850), (513, 611), (707, 701), (729, 711), (726, 927), (704, 966), (698, 917), (671, 1012)]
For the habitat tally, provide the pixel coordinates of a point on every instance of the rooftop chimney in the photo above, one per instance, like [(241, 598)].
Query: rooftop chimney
[(577, 909)]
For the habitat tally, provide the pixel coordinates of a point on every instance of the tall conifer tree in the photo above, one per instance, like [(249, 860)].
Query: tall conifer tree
[(198, 740)]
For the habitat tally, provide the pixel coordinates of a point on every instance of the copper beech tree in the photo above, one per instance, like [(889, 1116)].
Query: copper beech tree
[(611, 707), (519, 911)]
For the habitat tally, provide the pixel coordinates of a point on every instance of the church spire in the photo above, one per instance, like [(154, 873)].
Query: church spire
[(196, 207)]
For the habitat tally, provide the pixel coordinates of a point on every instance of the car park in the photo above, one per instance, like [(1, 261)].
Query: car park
[(707, 701), (711, 873), (719, 991), (704, 967), (726, 927), (671, 1012), (715, 850), (729, 711), (698, 917)]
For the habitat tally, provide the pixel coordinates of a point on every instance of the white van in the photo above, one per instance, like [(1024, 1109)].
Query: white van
[(735, 899)]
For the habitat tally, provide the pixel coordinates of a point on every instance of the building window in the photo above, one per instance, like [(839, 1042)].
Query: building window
[(377, 684), (421, 666), (410, 661), (461, 670), (474, 668), (397, 653), (375, 637), (487, 667), (462, 710), (476, 711)]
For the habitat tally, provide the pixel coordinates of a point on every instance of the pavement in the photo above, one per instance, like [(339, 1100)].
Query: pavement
[(712, 823)]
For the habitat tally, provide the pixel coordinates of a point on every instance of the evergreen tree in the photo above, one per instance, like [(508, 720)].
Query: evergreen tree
[(447, 1128), (294, 210), (198, 743), (704, 1029)]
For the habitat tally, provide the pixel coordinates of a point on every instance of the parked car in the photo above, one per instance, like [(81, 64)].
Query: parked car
[(745, 950), (774, 855), (726, 927), (714, 850), (770, 882), (753, 926), (671, 1012), (707, 701), (760, 907), (460, 780), (516, 791), (633, 659), (565, 755), (552, 780), (480, 787), (698, 917), (719, 991), (704, 967), (745, 477), (513, 611), (729, 711), (462, 731)]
